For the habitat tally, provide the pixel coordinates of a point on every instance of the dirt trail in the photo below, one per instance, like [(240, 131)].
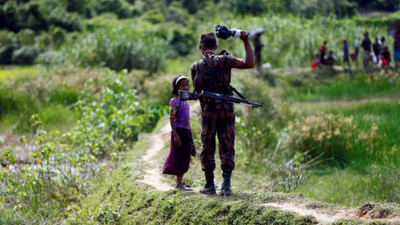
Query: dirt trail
[(153, 176), (366, 213), (155, 179)]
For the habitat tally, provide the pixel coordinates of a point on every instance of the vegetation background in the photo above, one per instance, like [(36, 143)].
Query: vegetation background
[(83, 82)]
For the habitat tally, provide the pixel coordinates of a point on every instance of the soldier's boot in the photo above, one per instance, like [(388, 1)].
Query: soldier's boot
[(226, 185), (209, 187)]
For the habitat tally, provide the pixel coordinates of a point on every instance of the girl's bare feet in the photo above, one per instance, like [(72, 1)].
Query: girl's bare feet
[(183, 187)]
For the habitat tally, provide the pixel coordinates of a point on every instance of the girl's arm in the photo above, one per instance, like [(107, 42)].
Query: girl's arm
[(176, 138)]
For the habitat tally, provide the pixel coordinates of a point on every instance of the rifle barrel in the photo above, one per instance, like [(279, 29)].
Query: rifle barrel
[(184, 95)]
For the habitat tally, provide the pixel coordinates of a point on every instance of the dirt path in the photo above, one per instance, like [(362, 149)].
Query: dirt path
[(155, 179), (153, 176), (365, 213)]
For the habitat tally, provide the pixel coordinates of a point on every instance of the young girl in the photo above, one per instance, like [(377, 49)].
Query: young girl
[(178, 159)]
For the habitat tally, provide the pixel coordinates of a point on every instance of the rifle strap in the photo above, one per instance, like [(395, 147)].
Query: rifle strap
[(237, 92)]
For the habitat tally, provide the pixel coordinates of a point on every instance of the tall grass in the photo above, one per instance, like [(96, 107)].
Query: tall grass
[(14, 72), (117, 48), (354, 187), (365, 179), (385, 116), (344, 87)]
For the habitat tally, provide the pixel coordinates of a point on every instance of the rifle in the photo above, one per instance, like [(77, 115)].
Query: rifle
[(185, 95)]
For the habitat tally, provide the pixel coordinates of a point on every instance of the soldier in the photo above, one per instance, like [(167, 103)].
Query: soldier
[(213, 73)]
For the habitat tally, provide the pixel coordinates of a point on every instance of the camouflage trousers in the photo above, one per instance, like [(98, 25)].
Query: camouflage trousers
[(222, 123)]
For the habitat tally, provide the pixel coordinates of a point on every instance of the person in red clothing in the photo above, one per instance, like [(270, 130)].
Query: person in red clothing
[(322, 53)]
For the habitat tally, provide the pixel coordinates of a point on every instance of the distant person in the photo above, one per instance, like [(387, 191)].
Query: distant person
[(354, 55), (346, 53), (315, 63), (376, 47), (384, 57), (366, 45), (178, 159), (257, 51), (330, 59), (322, 51), (396, 49)]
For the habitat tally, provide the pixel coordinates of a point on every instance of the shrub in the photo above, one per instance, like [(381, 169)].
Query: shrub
[(335, 138), (6, 53), (119, 48), (26, 37), (57, 36), (24, 55), (6, 37), (63, 95), (51, 58), (119, 7)]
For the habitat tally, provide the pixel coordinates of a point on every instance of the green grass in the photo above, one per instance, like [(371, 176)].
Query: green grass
[(364, 179), (384, 115), (10, 73), (54, 117), (343, 87), (352, 187)]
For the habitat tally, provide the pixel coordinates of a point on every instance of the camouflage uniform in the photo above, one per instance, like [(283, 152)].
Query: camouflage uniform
[(213, 73)]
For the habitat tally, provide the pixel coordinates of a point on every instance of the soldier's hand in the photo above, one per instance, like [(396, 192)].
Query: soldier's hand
[(244, 36)]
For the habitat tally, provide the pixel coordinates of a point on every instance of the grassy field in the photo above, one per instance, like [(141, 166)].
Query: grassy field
[(365, 178), (369, 100), (358, 85), (10, 73)]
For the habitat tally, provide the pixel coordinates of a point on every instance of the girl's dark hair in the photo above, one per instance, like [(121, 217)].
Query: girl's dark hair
[(176, 85)]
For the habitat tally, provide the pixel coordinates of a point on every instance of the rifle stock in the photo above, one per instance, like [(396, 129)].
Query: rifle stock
[(185, 95)]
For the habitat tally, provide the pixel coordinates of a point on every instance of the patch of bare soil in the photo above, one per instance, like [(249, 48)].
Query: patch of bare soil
[(366, 213), (153, 176)]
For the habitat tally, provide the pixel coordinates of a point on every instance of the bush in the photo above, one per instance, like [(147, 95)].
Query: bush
[(6, 53), (6, 38), (63, 95), (119, 48), (50, 58), (26, 37), (57, 36), (335, 138), (119, 7), (24, 55)]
